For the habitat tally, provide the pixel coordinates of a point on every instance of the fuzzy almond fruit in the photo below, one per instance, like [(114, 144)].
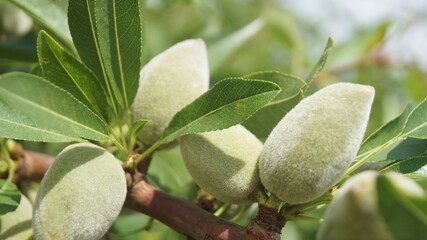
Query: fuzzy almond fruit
[(314, 144), (169, 82), (80, 196), (223, 163), (354, 213), (13, 21), (17, 225)]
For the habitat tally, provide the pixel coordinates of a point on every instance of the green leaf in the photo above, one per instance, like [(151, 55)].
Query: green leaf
[(9, 197), (37, 70), (410, 123), (408, 165), (34, 109), (229, 102), (107, 35), (119, 32), (49, 16), (416, 125), (404, 219), (401, 149), (82, 22), (138, 126), (263, 121), (63, 70), (223, 48), (387, 132), (321, 63)]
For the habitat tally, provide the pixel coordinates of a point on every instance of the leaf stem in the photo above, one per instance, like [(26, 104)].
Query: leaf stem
[(359, 163), (273, 202), (292, 210), (132, 138), (222, 209), (119, 146), (148, 151)]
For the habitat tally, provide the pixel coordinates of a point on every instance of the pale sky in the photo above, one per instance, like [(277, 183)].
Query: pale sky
[(406, 40)]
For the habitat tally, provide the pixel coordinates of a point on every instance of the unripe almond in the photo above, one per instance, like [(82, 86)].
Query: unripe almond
[(17, 225), (168, 83), (223, 163), (13, 21), (314, 144), (354, 212), (80, 196)]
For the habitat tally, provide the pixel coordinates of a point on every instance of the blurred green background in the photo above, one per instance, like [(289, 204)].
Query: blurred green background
[(378, 43)]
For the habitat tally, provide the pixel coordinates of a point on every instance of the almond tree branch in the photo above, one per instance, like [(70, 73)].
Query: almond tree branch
[(181, 215)]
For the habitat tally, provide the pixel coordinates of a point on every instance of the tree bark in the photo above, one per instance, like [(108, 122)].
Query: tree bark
[(181, 215)]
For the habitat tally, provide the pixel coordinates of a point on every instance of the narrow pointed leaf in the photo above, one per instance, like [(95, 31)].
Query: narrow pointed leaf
[(229, 102), (411, 123), (416, 125), (82, 22), (138, 126), (34, 109), (49, 16), (108, 38), (387, 132), (119, 34), (401, 149), (9, 197), (409, 165), (321, 63), (263, 121), (63, 70)]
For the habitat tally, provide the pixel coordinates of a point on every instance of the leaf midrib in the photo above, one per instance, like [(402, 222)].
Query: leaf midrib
[(38, 129), (125, 98), (215, 110), (101, 62), (70, 76), (51, 112)]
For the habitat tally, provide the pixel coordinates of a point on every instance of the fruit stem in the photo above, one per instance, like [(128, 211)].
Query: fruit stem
[(148, 152), (293, 210), (222, 209), (359, 163), (273, 202), (259, 195)]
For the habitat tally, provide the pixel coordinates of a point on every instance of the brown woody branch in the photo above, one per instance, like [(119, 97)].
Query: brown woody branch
[(181, 215)]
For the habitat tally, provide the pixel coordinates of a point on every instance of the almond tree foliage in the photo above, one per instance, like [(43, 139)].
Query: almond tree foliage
[(160, 149)]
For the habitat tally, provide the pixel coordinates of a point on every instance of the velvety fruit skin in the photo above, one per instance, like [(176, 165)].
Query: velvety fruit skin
[(17, 225), (223, 163), (354, 213), (13, 21), (169, 82), (314, 144), (80, 196)]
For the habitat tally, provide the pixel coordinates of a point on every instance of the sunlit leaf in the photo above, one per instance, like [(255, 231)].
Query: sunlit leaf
[(63, 70), (263, 121), (229, 102), (32, 108)]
